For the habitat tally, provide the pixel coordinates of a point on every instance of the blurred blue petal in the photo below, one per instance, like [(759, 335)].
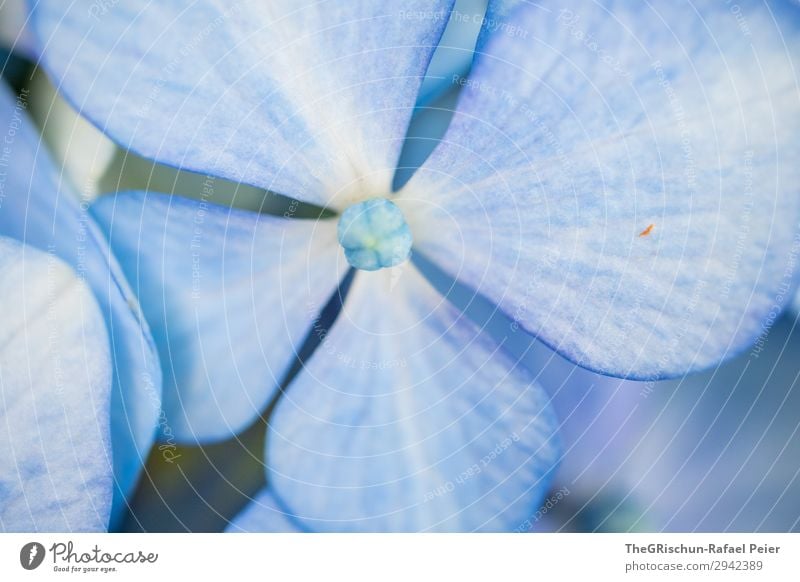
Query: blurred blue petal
[(500, 19), (306, 98), (40, 208), (264, 514), (715, 451), (453, 57), (631, 198), (55, 387), (230, 296), (409, 418), (599, 424)]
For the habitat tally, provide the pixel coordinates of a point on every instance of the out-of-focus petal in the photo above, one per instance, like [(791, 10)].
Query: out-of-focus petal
[(308, 98), (714, 451), (264, 514), (621, 180), (14, 32), (55, 387), (408, 418), (40, 208), (453, 57), (230, 296)]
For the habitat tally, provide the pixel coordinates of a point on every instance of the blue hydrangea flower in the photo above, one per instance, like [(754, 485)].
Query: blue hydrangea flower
[(618, 179), (79, 372)]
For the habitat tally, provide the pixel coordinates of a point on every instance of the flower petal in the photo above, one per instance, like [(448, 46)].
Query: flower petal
[(499, 19), (230, 296), (307, 98), (622, 181), (55, 386), (264, 514), (40, 208), (407, 418), (453, 57)]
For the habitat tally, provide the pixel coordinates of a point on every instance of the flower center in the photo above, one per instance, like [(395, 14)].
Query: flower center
[(374, 235)]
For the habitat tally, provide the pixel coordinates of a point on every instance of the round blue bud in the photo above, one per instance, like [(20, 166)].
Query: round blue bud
[(374, 235)]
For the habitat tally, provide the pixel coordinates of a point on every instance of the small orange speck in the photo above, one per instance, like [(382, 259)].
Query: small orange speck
[(647, 230)]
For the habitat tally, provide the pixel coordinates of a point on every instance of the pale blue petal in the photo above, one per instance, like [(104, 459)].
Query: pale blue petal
[(55, 388), (309, 98), (409, 418), (264, 514), (453, 57), (728, 445), (230, 296), (39, 207), (630, 197)]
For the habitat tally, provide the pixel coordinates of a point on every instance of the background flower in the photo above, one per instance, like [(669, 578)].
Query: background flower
[(55, 387), (40, 209), (715, 451)]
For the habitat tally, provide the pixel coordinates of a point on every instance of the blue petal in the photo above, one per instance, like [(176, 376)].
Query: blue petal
[(409, 418), (453, 57), (264, 514), (55, 387), (230, 296), (308, 98), (622, 181), (499, 19), (39, 208)]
